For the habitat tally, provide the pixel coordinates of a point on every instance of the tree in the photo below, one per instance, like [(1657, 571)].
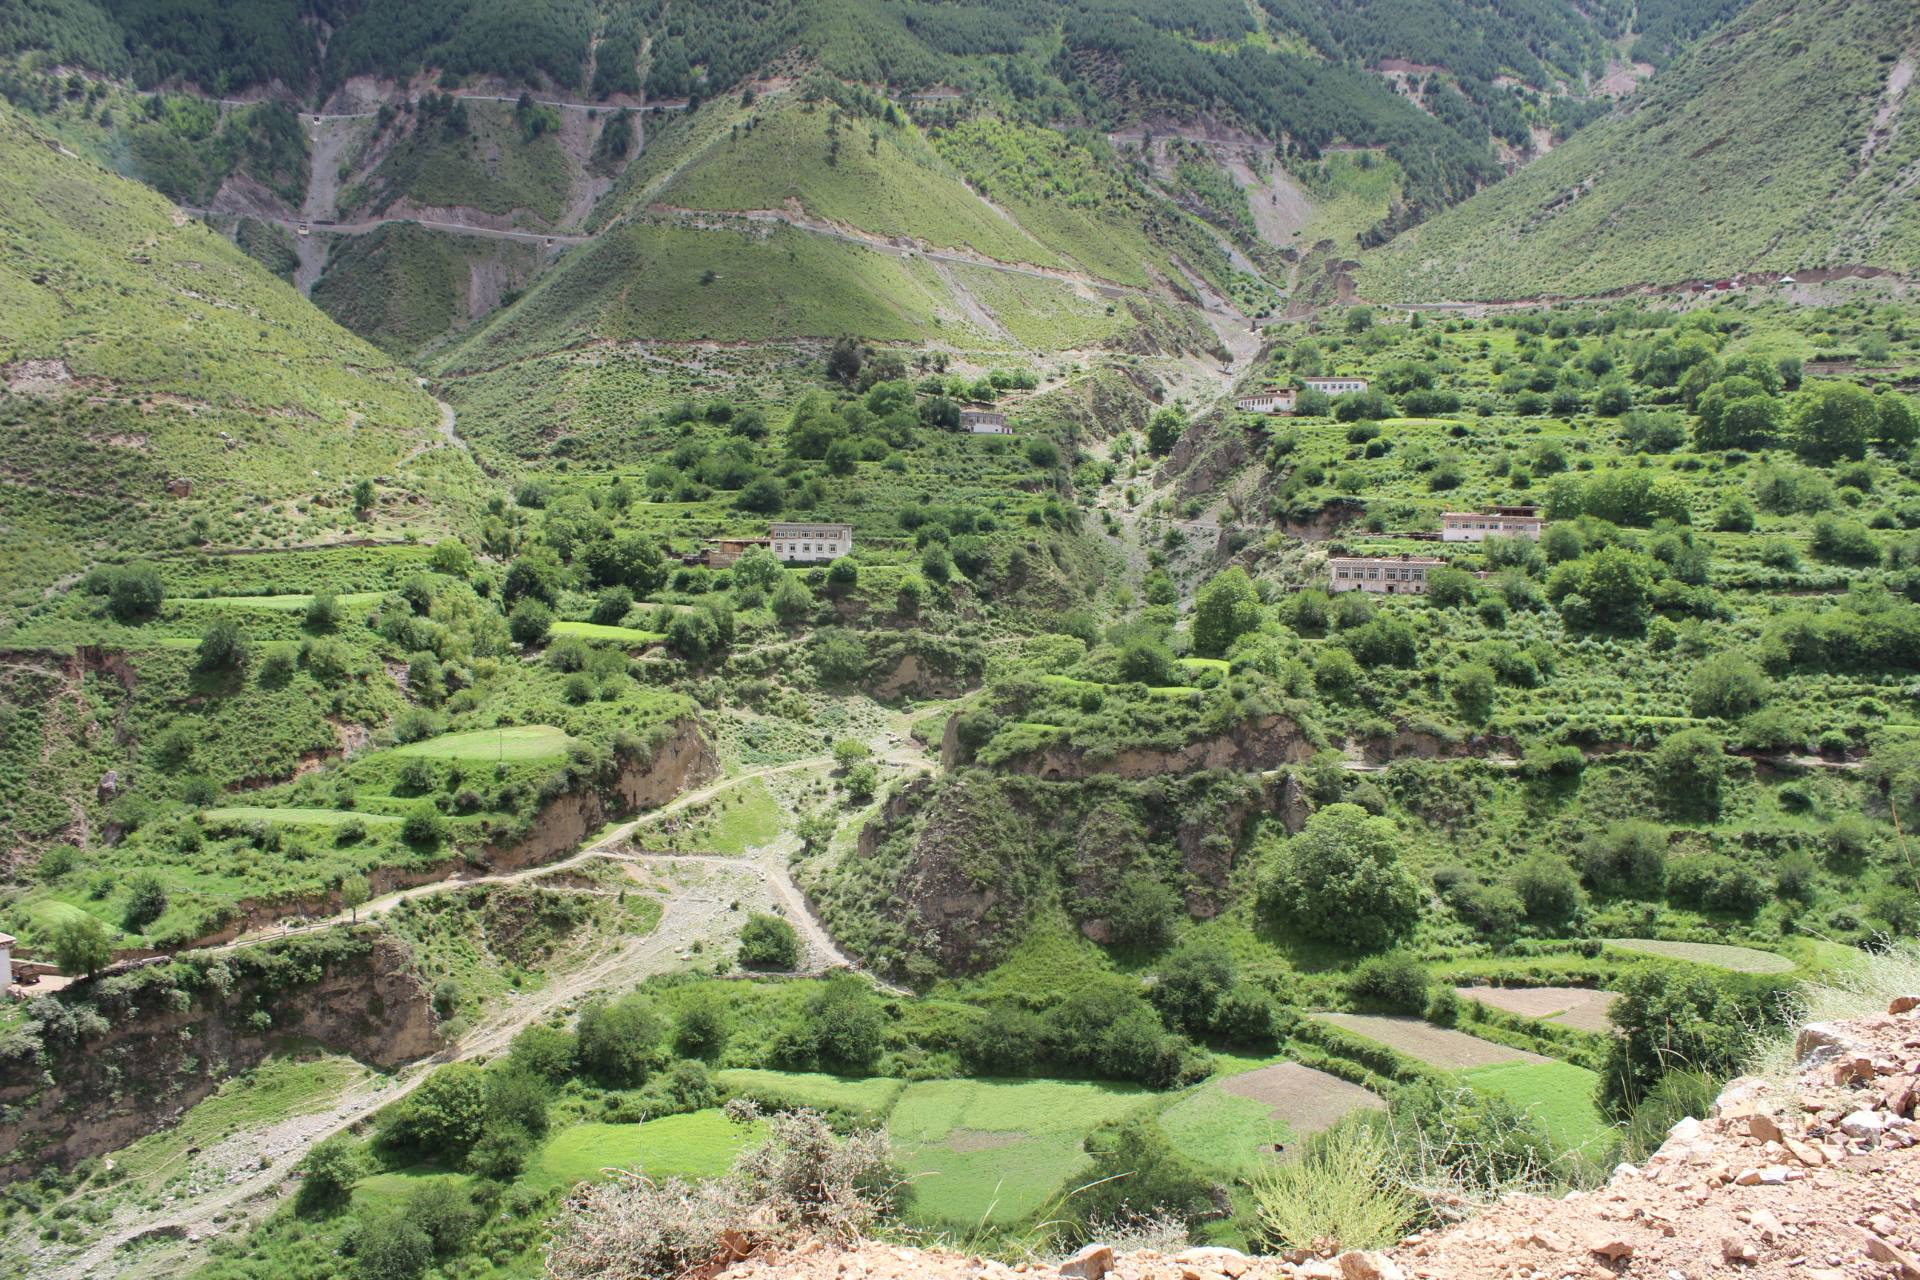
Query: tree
[(1547, 888), (134, 591), (845, 1022), (80, 945), (1144, 910), (146, 902), (844, 360), (222, 648), (1189, 987), (1341, 880), (329, 1170), (768, 942), (1692, 766), (1728, 685), (363, 496), (1225, 609), (423, 825), (619, 1040), (843, 575), (791, 601), (529, 622), (1899, 423), (354, 892), (1164, 430), (1834, 420), (389, 1247), (758, 568), (1472, 688), (1144, 660)]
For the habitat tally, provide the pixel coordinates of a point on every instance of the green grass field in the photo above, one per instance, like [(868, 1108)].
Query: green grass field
[(294, 816), (872, 1095), (698, 1144), (291, 603), (1718, 954), (1223, 1131), (513, 742), (998, 1150), (600, 631), (1559, 1095)]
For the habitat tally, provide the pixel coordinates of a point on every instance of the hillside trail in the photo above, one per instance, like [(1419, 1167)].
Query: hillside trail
[(695, 918)]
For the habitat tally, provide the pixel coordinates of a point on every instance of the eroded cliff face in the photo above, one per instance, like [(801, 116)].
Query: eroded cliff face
[(120, 1056), (1265, 742)]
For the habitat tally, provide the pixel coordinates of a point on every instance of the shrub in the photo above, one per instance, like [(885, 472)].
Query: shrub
[(134, 592), (80, 945), (443, 1118), (1714, 882), (545, 1052), (1341, 879), (1143, 1176), (1343, 1193), (844, 1023), (1728, 685), (328, 1172), (701, 1029), (1225, 609), (423, 826), (611, 606), (389, 1247), (1144, 910), (768, 942), (1394, 981), (1547, 888), (1189, 988), (444, 1213), (529, 622), (146, 902), (619, 1040), (222, 648), (1692, 767), (1627, 857)]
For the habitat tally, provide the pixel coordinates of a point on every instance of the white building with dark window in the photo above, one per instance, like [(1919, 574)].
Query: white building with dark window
[(6, 963), (985, 422), (1335, 386), (1478, 526), (1269, 402), (810, 543), (1382, 575)]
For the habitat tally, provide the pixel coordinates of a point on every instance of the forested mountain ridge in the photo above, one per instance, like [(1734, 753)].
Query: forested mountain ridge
[(1786, 142)]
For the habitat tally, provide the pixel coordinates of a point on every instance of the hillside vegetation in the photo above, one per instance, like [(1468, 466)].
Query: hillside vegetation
[(1786, 142)]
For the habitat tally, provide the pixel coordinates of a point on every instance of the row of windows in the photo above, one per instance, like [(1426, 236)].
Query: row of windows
[(1375, 575)]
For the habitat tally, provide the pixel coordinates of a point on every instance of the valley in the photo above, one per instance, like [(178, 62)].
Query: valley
[(638, 636)]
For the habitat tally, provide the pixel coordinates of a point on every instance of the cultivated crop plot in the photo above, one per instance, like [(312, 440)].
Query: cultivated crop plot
[(837, 638)]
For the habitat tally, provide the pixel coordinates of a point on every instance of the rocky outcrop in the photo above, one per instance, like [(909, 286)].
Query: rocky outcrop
[(1264, 742), (113, 1058)]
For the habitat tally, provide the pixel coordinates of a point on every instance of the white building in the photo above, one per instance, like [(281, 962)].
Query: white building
[(1382, 575), (808, 543), (1266, 402), (985, 422), (6, 964), (1335, 386), (1478, 526)]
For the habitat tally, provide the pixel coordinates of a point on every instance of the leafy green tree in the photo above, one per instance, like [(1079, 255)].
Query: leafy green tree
[(323, 612), (1692, 766), (759, 568), (845, 1022), (1144, 910), (1834, 420), (791, 602), (619, 1041), (80, 945), (222, 648), (1548, 889), (1472, 687), (423, 826), (529, 622), (354, 892), (1225, 609), (134, 592), (1728, 685), (1164, 430), (442, 1118), (363, 495), (1395, 981), (543, 1051), (146, 902), (1341, 879), (768, 942), (328, 1172), (1672, 1019), (387, 1246), (1144, 660), (1626, 857), (1899, 424), (1190, 985)]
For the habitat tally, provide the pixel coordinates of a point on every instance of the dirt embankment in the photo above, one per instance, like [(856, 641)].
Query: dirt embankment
[(684, 759), (122, 1056), (1264, 742)]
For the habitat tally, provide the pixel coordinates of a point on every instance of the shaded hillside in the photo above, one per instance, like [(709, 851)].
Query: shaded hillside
[(1788, 141), (163, 390)]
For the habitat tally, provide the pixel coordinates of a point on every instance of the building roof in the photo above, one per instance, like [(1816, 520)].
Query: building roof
[(1399, 559), (1510, 513), (776, 526), (6, 939)]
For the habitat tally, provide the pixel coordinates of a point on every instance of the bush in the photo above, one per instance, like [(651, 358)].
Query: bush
[(1627, 857), (1395, 982), (1728, 685), (443, 1118), (389, 1247), (1144, 910), (619, 1040), (701, 1029), (529, 622), (1714, 882), (1142, 1176), (222, 648), (1344, 1192), (81, 945), (328, 1172), (423, 826), (146, 902), (545, 1052), (444, 1213), (611, 606), (134, 592), (1692, 766), (1341, 879), (1547, 888), (1189, 988), (768, 942), (844, 1023)]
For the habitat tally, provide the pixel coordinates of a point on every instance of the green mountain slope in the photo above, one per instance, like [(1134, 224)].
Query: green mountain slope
[(1788, 141), (163, 390)]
